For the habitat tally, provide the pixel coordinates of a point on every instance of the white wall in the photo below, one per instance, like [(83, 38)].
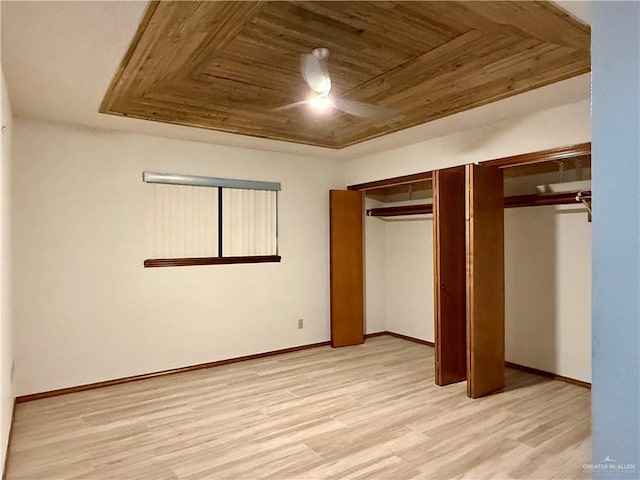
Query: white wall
[(557, 127), (409, 277), (375, 272), (85, 308), (548, 289), (6, 334), (547, 285), (399, 272)]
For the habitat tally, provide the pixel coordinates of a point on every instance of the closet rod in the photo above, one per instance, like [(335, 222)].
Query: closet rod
[(421, 209), (563, 198), (535, 200)]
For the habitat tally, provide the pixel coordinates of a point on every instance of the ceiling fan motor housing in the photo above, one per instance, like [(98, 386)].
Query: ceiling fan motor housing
[(321, 54)]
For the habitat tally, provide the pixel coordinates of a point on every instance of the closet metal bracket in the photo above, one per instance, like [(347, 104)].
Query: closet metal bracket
[(586, 201)]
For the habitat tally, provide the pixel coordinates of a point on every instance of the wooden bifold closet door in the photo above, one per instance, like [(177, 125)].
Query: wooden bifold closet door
[(449, 276), (485, 279), (347, 268)]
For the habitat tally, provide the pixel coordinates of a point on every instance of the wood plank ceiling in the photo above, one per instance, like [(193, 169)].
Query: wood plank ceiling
[(226, 65)]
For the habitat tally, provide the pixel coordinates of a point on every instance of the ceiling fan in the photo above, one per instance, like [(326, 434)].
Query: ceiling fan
[(315, 73)]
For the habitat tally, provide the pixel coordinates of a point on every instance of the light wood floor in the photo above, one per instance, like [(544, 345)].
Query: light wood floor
[(369, 412)]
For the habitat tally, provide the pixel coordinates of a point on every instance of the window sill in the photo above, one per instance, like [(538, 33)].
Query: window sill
[(185, 262)]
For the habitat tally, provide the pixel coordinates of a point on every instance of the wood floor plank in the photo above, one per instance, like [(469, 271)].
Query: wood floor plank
[(362, 412)]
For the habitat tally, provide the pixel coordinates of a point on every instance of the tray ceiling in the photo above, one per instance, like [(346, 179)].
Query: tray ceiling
[(228, 65)]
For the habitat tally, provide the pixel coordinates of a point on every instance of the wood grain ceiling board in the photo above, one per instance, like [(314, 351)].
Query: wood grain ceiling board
[(227, 65)]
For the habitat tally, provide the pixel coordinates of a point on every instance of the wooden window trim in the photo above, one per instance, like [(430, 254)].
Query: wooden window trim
[(186, 262)]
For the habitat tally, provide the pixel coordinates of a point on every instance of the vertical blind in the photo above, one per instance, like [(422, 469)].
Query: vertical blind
[(249, 222), (193, 218), (185, 221)]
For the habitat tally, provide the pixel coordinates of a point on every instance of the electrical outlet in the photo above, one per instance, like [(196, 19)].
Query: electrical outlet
[(13, 370), (300, 323)]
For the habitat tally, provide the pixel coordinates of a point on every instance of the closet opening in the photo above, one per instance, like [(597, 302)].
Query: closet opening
[(546, 277)]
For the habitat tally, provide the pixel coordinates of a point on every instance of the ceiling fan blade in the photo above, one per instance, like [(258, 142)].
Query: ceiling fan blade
[(289, 106), (315, 73), (363, 110)]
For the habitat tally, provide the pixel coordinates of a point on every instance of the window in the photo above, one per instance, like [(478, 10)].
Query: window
[(207, 220)]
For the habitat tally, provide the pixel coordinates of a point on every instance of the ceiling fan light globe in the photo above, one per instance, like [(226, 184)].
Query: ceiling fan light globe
[(325, 88), (320, 103)]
